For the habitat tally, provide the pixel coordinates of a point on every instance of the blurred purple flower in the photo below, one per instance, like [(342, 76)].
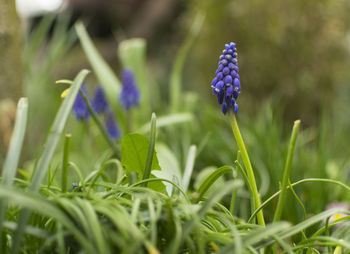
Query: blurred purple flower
[(99, 102), (111, 126), (129, 96), (80, 108)]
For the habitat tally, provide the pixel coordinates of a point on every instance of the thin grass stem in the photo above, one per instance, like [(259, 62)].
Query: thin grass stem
[(65, 163)]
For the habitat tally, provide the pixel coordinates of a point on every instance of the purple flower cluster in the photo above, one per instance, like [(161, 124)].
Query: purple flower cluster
[(99, 102), (226, 85), (80, 108), (100, 105), (111, 126), (130, 95)]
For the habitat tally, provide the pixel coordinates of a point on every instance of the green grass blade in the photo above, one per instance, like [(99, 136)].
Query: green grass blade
[(11, 161), (56, 131), (150, 153), (34, 202), (209, 181), (12, 158), (307, 180), (105, 75), (305, 224), (65, 163), (168, 120), (286, 171), (176, 73), (50, 147), (102, 70), (189, 167)]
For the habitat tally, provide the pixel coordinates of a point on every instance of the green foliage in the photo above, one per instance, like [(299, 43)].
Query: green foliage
[(134, 154), (154, 197)]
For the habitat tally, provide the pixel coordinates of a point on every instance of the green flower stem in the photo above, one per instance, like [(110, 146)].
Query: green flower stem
[(99, 124), (286, 171), (65, 163), (248, 166)]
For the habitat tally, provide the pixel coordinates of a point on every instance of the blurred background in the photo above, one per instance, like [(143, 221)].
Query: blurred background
[(293, 57)]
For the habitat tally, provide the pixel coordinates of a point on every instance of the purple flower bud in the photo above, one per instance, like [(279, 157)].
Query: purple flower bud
[(226, 71), (236, 83), (229, 91), (228, 57), (213, 83), (220, 97), (228, 79), (224, 62), (224, 108), (235, 108), (219, 86), (220, 76)]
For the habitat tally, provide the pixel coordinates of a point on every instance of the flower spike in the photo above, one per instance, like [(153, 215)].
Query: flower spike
[(80, 108), (227, 81), (129, 96)]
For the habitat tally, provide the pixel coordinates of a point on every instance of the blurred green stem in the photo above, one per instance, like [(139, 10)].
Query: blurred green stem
[(247, 165), (65, 162), (100, 125), (286, 171)]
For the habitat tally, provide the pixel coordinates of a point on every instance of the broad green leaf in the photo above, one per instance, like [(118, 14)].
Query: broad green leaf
[(134, 154), (169, 165)]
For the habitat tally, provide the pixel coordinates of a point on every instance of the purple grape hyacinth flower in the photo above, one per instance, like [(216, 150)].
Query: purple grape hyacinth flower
[(80, 108), (226, 85), (129, 96), (111, 126), (99, 102)]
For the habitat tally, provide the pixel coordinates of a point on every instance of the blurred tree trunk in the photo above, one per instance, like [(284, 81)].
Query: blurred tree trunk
[(10, 70), (10, 51)]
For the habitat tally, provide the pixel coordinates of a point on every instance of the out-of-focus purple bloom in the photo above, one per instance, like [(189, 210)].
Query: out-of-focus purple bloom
[(130, 95), (339, 205), (80, 108), (111, 126), (99, 102), (226, 85)]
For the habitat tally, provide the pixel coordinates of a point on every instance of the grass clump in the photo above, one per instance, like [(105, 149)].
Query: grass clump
[(142, 193)]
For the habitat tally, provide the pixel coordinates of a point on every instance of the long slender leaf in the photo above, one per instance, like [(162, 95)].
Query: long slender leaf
[(189, 167), (50, 147), (210, 180), (11, 162), (168, 120), (42, 206), (14, 152)]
